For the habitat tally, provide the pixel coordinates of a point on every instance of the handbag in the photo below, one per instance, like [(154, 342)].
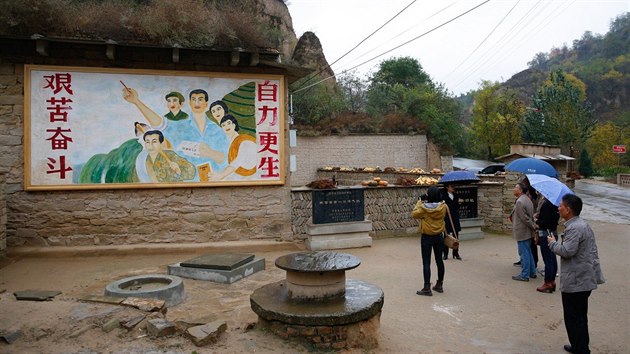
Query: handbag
[(451, 241)]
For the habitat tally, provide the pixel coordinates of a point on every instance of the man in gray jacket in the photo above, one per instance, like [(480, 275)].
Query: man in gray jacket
[(523, 228), (580, 271)]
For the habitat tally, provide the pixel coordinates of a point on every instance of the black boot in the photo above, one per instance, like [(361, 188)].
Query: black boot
[(438, 286), (426, 291)]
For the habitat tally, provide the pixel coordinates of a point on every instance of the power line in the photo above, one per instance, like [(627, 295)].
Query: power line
[(482, 60), (356, 46), (484, 40), (516, 44), (403, 44), (388, 41)]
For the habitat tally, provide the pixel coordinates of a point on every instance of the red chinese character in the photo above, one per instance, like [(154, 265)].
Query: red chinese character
[(59, 82), (58, 113), (62, 167), (58, 140), (265, 110), (269, 164), (267, 92), (267, 139)]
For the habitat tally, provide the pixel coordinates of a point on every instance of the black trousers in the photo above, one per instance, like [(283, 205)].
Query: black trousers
[(575, 306), (435, 244)]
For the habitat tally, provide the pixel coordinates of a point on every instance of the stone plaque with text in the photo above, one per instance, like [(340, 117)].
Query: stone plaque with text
[(338, 205)]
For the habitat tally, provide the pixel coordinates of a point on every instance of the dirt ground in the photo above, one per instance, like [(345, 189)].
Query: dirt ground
[(481, 311)]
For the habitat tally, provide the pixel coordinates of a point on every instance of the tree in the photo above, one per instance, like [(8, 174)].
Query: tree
[(496, 116), (354, 91), (484, 106), (601, 141), (316, 103), (540, 61), (401, 87), (560, 114), (585, 164)]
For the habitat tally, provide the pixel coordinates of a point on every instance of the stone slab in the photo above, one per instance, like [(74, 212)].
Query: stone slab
[(225, 261), (339, 227), (36, 295), (338, 241), (101, 298), (218, 275)]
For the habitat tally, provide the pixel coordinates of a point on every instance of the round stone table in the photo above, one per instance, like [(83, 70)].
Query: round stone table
[(316, 276)]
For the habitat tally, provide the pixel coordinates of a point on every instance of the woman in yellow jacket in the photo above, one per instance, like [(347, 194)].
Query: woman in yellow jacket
[(431, 215)]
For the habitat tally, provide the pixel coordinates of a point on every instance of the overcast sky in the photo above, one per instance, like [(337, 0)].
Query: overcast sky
[(492, 42)]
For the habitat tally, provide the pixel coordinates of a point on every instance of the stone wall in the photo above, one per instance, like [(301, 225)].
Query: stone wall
[(117, 217), (311, 153), (3, 217), (389, 208)]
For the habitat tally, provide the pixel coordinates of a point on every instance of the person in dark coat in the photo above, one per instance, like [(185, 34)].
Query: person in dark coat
[(547, 221), (452, 201)]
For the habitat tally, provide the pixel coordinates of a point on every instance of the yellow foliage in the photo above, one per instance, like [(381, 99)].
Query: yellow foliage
[(599, 145)]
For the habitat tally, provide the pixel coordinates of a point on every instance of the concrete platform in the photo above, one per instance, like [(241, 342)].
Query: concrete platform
[(352, 234), (218, 275), (471, 229)]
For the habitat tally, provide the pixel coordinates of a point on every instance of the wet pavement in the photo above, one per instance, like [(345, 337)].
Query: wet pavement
[(604, 201)]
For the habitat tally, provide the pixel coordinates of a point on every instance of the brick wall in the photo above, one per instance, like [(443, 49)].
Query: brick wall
[(358, 151)]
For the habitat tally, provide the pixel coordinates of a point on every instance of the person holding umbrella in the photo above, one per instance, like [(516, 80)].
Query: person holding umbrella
[(452, 216)]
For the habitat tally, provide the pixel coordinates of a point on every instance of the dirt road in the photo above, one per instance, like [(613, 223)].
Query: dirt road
[(481, 311)]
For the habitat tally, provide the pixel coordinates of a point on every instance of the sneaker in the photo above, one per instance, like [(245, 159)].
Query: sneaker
[(519, 278), (533, 276), (517, 264)]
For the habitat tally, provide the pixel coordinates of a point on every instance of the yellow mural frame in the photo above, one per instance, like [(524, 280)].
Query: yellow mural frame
[(36, 162)]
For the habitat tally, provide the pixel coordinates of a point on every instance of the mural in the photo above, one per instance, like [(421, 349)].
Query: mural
[(89, 128)]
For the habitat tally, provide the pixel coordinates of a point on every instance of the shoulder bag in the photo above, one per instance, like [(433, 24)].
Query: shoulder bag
[(451, 241)]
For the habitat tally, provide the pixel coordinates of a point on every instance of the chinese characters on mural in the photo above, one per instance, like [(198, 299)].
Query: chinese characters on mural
[(125, 128), (59, 86)]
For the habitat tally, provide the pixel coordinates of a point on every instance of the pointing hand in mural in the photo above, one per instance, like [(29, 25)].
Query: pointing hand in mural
[(130, 95)]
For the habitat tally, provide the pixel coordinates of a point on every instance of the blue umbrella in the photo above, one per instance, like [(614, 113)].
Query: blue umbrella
[(459, 177), (532, 165), (549, 187)]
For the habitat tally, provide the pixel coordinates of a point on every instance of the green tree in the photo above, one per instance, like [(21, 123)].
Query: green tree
[(312, 105), (400, 86), (585, 164), (354, 91), (560, 114), (484, 106), (601, 141), (496, 116)]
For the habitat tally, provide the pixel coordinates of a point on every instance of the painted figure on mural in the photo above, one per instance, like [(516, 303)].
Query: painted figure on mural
[(218, 109), (165, 165), (242, 154), (204, 144), (174, 102)]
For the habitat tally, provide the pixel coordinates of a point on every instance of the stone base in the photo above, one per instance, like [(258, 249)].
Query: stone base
[(471, 229), (349, 322), (339, 235), (218, 275)]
